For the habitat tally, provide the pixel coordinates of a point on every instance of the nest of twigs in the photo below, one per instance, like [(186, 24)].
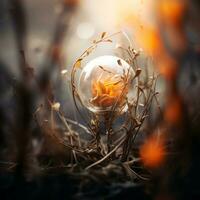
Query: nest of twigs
[(100, 144)]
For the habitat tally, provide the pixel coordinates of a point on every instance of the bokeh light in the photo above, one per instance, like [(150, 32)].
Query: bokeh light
[(85, 30), (152, 152)]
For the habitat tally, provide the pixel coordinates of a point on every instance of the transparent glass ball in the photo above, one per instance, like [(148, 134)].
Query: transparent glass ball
[(105, 83)]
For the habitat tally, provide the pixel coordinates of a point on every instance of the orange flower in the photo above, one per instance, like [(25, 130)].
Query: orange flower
[(106, 92)]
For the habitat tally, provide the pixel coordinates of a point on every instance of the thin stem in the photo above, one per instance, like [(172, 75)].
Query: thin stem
[(107, 155)]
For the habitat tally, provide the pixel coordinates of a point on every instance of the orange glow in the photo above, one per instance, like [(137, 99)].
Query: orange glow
[(150, 40), (152, 152), (71, 3), (171, 14), (152, 43), (173, 111), (172, 11), (106, 92), (167, 66)]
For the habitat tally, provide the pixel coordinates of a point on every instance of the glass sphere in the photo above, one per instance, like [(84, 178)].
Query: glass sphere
[(104, 83)]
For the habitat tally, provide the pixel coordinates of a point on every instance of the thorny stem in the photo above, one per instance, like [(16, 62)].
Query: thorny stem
[(70, 132), (98, 132), (78, 124), (126, 166), (107, 155), (148, 104), (130, 136), (126, 146), (108, 131)]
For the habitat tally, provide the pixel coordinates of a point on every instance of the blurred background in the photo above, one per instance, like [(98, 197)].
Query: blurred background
[(39, 43), (83, 25)]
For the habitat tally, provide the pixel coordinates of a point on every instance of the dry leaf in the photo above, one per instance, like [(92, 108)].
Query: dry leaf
[(103, 35), (78, 63), (138, 71), (109, 40), (56, 106), (101, 67), (137, 122), (119, 62)]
